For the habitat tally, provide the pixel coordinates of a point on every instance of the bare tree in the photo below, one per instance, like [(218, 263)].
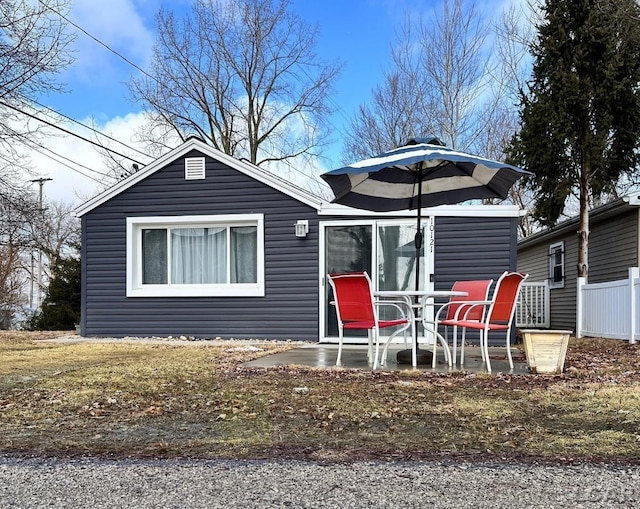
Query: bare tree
[(457, 76), (439, 83), (57, 235), (31, 241), (17, 209), (242, 75), (514, 33), (453, 66), (392, 117), (33, 48)]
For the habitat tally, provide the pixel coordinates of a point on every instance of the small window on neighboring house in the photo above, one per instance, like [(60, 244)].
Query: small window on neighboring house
[(556, 265), (194, 168)]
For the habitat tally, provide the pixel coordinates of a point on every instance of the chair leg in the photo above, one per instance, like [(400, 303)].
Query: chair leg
[(370, 346), (385, 350), (463, 340), (481, 347), (376, 333), (445, 350), (485, 343), (509, 348), (340, 334), (383, 357), (414, 344), (434, 349), (454, 344), (404, 333)]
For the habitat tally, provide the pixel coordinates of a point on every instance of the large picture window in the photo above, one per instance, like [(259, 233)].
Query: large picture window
[(195, 256)]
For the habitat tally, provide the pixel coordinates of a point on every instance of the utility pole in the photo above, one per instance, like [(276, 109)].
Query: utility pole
[(38, 301)]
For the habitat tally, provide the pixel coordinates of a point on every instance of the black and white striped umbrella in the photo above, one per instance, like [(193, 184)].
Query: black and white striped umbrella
[(422, 173)]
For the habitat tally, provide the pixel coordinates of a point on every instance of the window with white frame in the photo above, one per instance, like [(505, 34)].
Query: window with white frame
[(193, 256), (556, 265)]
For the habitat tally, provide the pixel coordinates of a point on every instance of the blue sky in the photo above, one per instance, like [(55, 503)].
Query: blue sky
[(358, 32)]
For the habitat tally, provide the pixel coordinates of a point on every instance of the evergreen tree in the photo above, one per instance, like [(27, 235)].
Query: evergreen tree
[(581, 117), (61, 306)]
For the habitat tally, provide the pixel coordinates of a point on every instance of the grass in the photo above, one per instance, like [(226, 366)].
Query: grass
[(142, 400)]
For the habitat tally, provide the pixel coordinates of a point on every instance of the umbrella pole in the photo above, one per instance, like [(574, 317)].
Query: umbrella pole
[(418, 237), (417, 356), (418, 242)]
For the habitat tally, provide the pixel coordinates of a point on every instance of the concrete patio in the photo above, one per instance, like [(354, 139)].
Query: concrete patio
[(355, 357)]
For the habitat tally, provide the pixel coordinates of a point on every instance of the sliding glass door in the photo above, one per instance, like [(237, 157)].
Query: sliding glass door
[(396, 257), (384, 249), (348, 248)]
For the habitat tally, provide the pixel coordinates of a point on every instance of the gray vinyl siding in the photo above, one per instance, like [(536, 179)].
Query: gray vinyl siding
[(563, 300), (613, 248), (289, 309), (534, 260), (474, 248)]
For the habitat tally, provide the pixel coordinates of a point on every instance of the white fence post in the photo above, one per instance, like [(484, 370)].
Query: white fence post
[(579, 306), (634, 274)]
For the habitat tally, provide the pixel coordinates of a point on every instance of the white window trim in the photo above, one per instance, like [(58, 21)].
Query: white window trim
[(551, 264), (135, 288)]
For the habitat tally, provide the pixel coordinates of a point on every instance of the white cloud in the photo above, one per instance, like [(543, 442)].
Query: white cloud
[(75, 166), (122, 25)]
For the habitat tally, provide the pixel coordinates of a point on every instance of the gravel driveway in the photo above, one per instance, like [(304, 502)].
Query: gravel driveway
[(52, 483)]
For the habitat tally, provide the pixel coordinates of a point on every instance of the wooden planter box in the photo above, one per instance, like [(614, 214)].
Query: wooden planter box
[(545, 349)]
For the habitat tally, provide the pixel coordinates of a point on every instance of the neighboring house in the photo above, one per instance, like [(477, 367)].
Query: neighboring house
[(552, 255), (201, 244)]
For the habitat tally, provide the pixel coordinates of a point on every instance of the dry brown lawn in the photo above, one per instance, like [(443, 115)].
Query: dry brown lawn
[(157, 400)]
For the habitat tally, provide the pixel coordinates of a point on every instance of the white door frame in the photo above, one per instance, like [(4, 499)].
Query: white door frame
[(429, 244)]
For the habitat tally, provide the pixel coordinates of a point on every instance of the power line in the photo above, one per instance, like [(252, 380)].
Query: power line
[(102, 43), (90, 128), (135, 66), (39, 148), (33, 145), (129, 158)]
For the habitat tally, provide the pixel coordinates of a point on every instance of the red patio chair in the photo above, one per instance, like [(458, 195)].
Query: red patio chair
[(449, 313), (499, 314), (356, 309)]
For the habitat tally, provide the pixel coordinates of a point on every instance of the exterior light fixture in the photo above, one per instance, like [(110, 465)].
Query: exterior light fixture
[(302, 227)]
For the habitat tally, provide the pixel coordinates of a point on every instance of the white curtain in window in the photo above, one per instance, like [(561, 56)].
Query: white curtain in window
[(198, 255), (244, 254)]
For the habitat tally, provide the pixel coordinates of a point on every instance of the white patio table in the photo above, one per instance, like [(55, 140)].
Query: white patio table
[(416, 300)]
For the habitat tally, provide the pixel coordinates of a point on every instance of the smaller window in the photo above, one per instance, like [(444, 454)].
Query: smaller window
[(556, 265)]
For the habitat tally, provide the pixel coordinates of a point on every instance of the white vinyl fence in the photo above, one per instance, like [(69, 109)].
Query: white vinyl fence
[(609, 310), (532, 309)]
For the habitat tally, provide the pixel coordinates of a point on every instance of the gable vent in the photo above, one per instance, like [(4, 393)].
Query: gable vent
[(194, 168)]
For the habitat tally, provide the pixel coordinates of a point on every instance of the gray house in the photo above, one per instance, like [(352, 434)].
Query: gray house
[(201, 244), (552, 255)]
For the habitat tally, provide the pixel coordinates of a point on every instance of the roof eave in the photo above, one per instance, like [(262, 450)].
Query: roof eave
[(613, 207)]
